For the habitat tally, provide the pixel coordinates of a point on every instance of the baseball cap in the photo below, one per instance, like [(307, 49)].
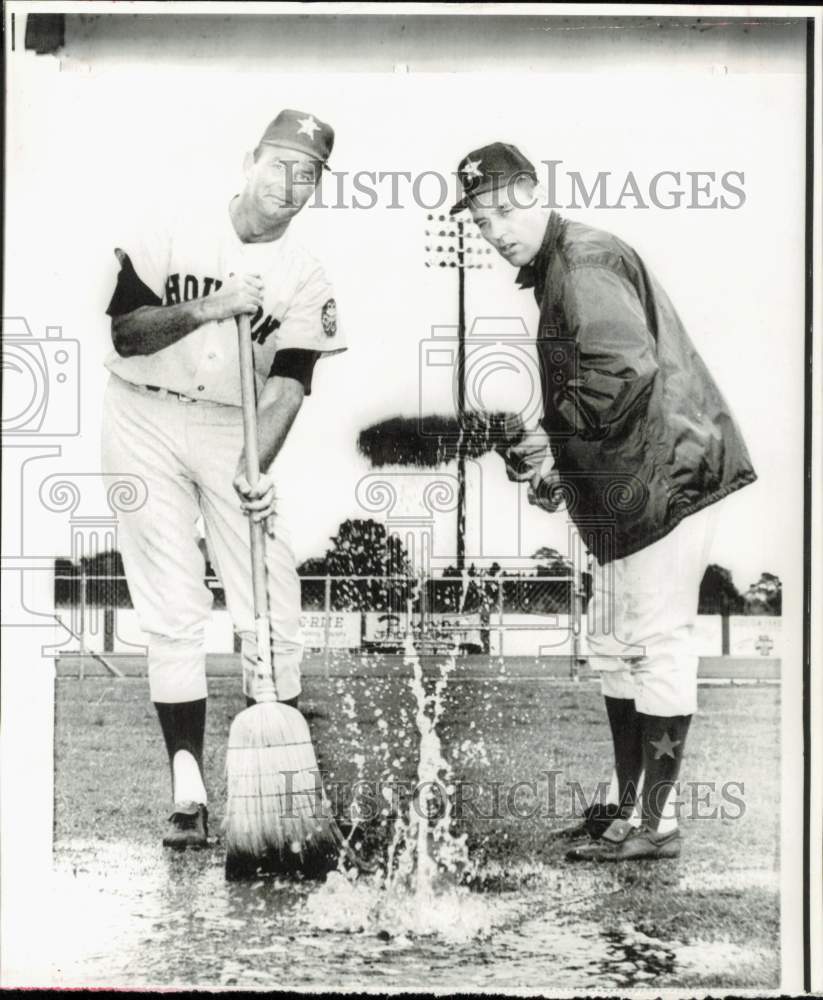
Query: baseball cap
[(302, 132), (489, 167)]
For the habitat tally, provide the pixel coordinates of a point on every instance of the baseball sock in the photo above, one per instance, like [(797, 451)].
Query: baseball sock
[(187, 779), (627, 739), (184, 725), (664, 740)]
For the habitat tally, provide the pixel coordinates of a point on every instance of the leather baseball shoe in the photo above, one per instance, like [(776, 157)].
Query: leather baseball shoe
[(188, 826), (595, 821), (624, 842)]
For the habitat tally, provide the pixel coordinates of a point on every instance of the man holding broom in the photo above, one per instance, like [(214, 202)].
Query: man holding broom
[(637, 439), (172, 416)]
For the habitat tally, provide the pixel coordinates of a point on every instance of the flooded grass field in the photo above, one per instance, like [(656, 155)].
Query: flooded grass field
[(504, 911), (150, 920)]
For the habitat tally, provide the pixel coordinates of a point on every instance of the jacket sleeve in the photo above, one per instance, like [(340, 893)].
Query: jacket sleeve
[(616, 362)]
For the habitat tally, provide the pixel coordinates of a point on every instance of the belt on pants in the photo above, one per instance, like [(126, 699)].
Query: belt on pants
[(163, 393)]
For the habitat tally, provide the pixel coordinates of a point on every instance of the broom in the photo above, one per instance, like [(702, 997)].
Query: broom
[(277, 814), (432, 440)]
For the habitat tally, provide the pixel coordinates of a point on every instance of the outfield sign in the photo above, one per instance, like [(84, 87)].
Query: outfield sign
[(341, 627), (755, 636)]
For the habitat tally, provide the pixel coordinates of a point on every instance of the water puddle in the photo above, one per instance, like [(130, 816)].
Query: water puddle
[(125, 915)]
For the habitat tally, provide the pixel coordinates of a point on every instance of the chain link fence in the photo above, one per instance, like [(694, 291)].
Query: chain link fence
[(468, 614)]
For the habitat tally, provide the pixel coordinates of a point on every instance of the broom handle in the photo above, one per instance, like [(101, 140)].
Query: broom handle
[(248, 395)]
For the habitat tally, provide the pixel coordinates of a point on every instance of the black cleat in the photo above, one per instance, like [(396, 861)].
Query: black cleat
[(624, 842), (595, 821), (188, 826)]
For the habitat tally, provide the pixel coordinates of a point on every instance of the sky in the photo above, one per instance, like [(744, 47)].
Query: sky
[(95, 147)]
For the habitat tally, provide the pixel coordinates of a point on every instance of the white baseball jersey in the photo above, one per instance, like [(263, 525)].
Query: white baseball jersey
[(190, 257), (186, 453)]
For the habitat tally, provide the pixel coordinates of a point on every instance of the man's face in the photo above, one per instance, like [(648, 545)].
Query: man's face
[(280, 181), (516, 232)]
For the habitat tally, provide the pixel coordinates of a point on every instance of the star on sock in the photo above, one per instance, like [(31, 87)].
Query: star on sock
[(664, 746)]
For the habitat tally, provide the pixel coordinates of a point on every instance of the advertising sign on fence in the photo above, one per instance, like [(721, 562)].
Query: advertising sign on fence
[(751, 635), (343, 629)]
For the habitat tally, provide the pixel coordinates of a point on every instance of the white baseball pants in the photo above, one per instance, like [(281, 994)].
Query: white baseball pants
[(641, 619), (186, 453)]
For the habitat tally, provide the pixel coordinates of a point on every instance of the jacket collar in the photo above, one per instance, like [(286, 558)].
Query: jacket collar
[(533, 274)]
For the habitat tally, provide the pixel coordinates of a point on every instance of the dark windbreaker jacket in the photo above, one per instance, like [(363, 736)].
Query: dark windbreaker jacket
[(640, 433)]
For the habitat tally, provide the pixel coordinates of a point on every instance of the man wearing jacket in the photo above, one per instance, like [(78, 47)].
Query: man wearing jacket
[(639, 443)]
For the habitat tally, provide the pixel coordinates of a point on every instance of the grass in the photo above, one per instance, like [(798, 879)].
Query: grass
[(112, 783)]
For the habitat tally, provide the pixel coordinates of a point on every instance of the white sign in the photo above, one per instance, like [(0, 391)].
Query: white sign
[(751, 635), (343, 629)]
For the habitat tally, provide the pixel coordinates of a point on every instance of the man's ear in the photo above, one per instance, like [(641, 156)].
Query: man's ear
[(248, 161)]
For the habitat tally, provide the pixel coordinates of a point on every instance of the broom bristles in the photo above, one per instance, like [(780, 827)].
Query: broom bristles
[(432, 440), (276, 805)]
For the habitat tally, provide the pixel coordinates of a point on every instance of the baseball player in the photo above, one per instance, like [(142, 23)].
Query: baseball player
[(172, 416), (637, 439)]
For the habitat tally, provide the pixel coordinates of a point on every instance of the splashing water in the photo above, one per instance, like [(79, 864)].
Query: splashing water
[(420, 892), (386, 909), (424, 848)]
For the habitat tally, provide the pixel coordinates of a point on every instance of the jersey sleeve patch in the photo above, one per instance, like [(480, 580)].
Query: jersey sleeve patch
[(296, 363), (328, 317), (131, 292), (311, 320)]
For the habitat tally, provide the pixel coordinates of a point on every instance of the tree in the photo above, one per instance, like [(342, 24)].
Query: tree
[(365, 548), (361, 548), (102, 574), (552, 563), (313, 591), (313, 567), (718, 594), (108, 563), (66, 584), (765, 597)]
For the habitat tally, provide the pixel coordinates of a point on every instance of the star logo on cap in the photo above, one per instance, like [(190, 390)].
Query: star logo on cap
[(664, 747), (471, 169), (308, 126)]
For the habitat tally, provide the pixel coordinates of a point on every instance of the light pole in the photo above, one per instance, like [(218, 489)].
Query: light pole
[(446, 247)]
